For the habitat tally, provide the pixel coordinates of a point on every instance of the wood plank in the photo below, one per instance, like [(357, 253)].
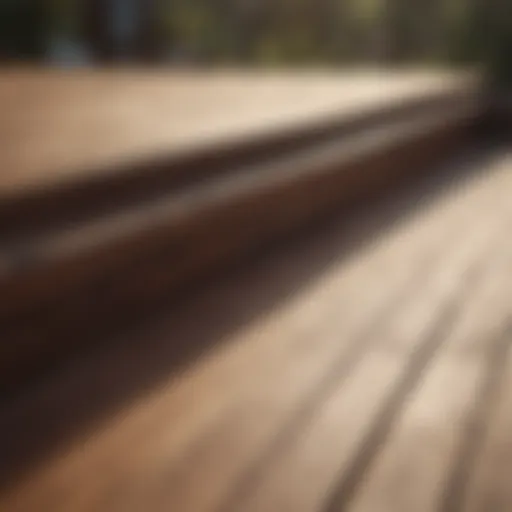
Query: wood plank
[(303, 476), (416, 465), (58, 125), (486, 484)]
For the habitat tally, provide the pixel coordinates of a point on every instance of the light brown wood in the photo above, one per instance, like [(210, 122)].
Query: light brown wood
[(60, 126), (343, 373)]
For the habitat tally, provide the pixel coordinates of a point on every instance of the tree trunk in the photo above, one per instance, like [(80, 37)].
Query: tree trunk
[(99, 33)]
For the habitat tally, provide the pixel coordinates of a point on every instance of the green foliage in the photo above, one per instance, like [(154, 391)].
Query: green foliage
[(486, 38), (275, 32), (23, 29), (63, 17)]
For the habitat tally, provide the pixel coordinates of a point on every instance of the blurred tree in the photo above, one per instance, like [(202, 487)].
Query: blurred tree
[(23, 29), (267, 31), (115, 29), (488, 39), (63, 18)]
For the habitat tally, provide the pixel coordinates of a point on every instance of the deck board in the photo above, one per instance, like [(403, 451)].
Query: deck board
[(420, 458), (356, 417), (350, 380), (67, 126), (488, 486)]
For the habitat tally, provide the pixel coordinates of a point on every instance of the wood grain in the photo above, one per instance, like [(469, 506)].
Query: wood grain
[(254, 422)]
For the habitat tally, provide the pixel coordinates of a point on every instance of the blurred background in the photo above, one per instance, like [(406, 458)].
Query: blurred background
[(259, 32)]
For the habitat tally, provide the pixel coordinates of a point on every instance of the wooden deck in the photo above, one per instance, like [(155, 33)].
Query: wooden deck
[(363, 368)]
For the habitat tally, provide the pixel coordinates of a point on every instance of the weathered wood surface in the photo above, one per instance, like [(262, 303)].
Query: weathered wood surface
[(363, 369), (59, 126)]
